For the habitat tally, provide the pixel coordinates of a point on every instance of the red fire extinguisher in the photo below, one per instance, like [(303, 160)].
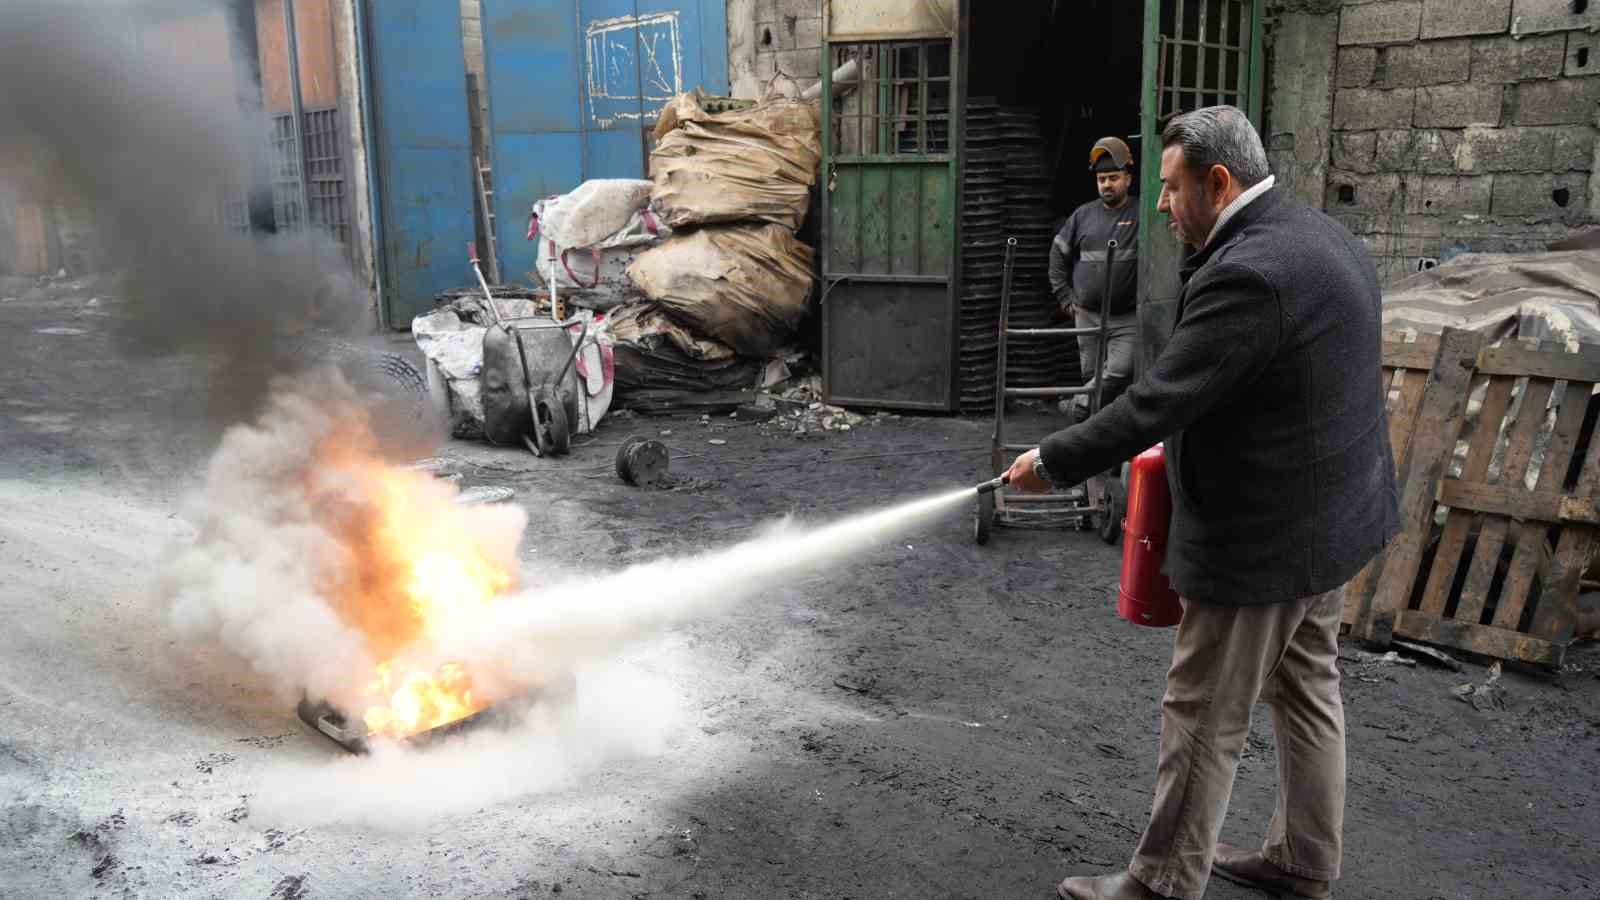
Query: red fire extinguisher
[(1144, 596)]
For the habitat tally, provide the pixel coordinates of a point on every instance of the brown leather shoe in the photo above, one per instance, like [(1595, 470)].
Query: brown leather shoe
[(1121, 886), (1251, 869)]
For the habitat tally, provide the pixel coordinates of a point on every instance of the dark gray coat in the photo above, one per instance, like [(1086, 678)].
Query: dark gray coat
[(1269, 399)]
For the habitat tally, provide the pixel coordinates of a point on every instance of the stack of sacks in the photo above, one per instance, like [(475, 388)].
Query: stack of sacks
[(733, 186)]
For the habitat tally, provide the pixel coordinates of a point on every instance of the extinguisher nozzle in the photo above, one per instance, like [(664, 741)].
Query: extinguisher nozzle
[(989, 487)]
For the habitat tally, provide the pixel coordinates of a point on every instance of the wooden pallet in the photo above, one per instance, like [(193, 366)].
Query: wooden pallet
[(1500, 578)]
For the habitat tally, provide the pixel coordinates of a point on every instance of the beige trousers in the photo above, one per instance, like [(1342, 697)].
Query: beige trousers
[(1225, 659)]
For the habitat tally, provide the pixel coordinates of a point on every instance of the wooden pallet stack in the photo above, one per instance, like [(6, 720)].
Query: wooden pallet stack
[(1500, 575)]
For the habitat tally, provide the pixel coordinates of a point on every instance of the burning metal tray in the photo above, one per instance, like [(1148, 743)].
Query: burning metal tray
[(352, 736), (328, 720)]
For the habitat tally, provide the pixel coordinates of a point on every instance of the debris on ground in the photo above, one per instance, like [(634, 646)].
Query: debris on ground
[(1486, 697), (1390, 658), (755, 412), (1364, 662), (1429, 655), (818, 417)]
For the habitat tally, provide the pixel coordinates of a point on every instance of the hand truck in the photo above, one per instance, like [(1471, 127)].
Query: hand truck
[(1096, 503)]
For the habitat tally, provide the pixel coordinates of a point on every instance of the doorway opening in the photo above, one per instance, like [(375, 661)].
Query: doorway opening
[(1046, 79), (1077, 65)]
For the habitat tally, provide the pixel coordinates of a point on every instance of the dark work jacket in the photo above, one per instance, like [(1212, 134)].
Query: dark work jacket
[(1269, 398), (1078, 258)]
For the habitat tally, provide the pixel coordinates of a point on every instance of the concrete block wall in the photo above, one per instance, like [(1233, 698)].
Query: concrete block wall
[(773, 40), (1452, 125)]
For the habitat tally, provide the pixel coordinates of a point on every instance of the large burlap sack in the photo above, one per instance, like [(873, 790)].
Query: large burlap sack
[(748, 286), (757, 163), (587, 238), (591, 213)]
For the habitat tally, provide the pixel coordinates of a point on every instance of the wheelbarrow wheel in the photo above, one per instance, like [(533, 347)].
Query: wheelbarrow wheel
[(983, 523), (550, 430)]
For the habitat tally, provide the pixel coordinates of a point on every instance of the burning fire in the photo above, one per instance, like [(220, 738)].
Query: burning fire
[(419, 566), (420, 701)]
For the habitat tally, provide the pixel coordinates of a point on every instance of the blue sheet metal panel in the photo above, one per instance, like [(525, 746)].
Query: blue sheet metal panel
[(611, 72), (549, 164), (574, 87), (534, 72), (702, 27), (615, 154), (533, 66), (424, 151)]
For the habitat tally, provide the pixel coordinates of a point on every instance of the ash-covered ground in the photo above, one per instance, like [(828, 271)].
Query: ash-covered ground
[(936, 719)]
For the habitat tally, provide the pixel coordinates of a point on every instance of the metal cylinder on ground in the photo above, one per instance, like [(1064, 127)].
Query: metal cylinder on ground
[(642, 462)]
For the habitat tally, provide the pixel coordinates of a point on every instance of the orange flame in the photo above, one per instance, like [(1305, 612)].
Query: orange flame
[(417, 568)]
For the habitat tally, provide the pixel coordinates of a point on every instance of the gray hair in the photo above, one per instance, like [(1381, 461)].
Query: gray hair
[(1219, 136)]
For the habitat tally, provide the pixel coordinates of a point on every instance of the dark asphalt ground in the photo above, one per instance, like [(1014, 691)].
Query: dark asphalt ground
[(937, 720)]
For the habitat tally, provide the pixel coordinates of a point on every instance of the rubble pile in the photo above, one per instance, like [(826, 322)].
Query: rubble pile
[(695, 279), (799, 409)]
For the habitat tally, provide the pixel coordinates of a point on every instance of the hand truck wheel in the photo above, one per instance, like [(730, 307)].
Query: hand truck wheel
[(983, 523), (1110, 513)]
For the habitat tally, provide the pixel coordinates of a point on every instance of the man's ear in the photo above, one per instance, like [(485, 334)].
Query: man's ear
[(1219, 180)]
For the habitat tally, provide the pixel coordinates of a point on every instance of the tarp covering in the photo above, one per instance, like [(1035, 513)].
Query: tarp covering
[(757, 163), (654, 353), (747, 286), (644, 325), (1534, 296)]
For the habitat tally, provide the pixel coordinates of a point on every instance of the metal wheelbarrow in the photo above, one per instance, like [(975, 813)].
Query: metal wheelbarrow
[(528, 396)]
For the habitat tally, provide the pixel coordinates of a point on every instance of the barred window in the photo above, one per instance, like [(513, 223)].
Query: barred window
[(900, 104)]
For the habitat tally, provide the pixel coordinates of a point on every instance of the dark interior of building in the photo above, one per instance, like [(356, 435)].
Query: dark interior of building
[(1077, 63), (1045, 80)]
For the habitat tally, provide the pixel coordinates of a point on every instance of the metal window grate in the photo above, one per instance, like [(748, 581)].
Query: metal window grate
[(325, 175), (286, 210), (233, 210), (325, 159), (901, 105), (1203, 61)]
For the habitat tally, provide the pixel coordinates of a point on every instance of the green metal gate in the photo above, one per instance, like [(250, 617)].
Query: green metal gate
[(889, 229), (1197, 53)]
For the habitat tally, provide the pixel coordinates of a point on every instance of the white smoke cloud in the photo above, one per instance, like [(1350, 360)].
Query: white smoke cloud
[(621, 712), (279, 535)]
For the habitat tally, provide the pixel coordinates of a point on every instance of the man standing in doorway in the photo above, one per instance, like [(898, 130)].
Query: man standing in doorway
[(1078, 272), (1268, 397)]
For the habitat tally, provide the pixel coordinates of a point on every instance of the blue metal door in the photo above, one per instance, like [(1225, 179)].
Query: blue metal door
[(424, 151), (574, 88)]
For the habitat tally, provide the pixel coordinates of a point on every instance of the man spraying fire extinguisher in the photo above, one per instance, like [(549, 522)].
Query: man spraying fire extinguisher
[(1283, 488)]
